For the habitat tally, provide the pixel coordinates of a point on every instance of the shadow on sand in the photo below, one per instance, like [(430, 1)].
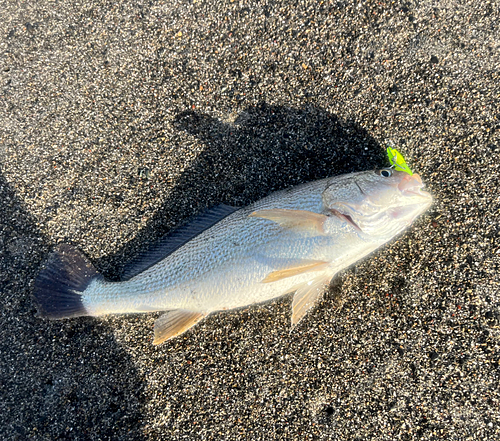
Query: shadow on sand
[(59, 379), (70, 379), (266, 148)]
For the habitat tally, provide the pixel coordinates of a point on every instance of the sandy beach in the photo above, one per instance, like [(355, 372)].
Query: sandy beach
[(121, 120)]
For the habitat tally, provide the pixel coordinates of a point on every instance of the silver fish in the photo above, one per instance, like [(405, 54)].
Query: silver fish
[(294, 240)]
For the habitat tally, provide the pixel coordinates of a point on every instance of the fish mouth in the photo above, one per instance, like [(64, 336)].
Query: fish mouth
[(411, 185), (419, 193)]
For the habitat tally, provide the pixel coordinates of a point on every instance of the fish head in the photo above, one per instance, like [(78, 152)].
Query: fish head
[(378, 203)]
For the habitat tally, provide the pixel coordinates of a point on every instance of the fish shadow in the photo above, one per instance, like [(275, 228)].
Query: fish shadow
[(60, 379), (264, 149), (72, 376)]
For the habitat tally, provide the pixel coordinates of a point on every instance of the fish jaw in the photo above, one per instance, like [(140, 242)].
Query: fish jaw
[(412, 185)]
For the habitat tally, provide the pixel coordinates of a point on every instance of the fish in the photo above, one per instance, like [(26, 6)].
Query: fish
[(292, 241)]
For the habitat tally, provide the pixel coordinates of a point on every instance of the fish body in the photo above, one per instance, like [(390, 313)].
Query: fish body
[(294, 240)]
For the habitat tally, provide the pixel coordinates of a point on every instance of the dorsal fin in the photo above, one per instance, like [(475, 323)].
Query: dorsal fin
[(172, 241)]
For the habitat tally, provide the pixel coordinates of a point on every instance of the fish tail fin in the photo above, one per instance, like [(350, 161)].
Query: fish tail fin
[(60, 284)]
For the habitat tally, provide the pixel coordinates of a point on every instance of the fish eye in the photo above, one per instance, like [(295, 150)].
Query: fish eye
[(386, 172)]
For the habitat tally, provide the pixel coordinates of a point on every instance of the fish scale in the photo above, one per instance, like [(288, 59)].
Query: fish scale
[(186, 270), (294, 240)]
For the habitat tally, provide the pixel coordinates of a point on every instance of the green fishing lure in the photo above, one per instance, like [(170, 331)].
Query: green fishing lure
[(397, 161)]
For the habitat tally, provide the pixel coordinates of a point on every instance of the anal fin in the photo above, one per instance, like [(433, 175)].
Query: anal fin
[(174, 323), (303, 267), (302, 220), (306, 297)]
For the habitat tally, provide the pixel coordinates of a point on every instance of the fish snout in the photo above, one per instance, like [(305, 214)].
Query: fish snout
[(412, 186), (410, 183)]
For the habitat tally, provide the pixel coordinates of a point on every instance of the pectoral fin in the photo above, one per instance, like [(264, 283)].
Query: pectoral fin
[(306, 296), (297, 219), (302, 267), (174, 323)]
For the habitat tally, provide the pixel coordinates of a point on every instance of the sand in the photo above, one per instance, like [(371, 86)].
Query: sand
[(121, 120)]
